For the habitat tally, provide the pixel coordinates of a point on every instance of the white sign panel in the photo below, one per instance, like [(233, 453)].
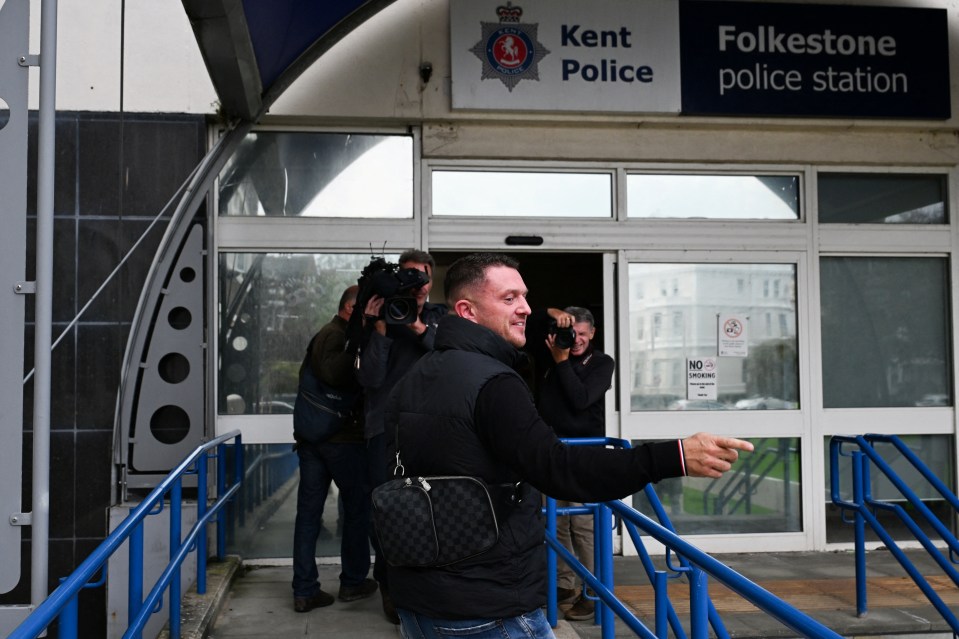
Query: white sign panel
[(701, 378), (732, 335), (566, 55)]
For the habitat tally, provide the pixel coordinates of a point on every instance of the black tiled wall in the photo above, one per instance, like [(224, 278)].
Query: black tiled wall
[(114, 174)]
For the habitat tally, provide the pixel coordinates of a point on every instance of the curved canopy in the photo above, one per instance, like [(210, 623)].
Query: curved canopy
[(254, 49)]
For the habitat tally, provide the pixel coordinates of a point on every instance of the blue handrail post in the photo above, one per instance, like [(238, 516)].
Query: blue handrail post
[(858, 491), (176, 534), (698, 610), (246, 500), (603, 526), (135, 583), (201, 499), (70, 618), (662, 603), (552, 606)]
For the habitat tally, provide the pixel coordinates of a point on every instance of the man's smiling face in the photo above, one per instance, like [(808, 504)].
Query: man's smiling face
[(500, 304)]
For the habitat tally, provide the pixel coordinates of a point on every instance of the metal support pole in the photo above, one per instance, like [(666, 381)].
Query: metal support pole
[(604, 568), (552, 608), (858, 479), (662, 604), (176, 540), (40, 531), (135, 575), (201, 498), (698, 608)]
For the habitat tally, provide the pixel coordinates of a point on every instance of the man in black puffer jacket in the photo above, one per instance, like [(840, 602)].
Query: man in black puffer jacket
[(462, 410)]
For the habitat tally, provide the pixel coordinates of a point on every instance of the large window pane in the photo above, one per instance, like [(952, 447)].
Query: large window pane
[(861, 198), (271, 304), (761, 494), (714, 197), (296, 174), (673, 315), (885, 336), (522, 194), (935, 451)]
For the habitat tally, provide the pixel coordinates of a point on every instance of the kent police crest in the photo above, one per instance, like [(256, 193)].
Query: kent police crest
[(509, 49)]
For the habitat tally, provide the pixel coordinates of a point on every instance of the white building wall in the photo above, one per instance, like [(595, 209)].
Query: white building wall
[(373, 76), (161, 69)]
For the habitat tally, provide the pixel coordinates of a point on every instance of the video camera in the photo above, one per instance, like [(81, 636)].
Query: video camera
[(393, 284), (565, 337)]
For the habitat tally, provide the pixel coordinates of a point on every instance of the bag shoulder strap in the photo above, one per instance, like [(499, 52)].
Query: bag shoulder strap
[(307, 363)]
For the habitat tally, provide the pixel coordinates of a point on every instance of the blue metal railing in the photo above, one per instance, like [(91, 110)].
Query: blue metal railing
[(63, 602), (864, 507), (695, 564)]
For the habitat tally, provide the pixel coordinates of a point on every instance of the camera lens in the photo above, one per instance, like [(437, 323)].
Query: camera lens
[(565, 337), (400, 310)]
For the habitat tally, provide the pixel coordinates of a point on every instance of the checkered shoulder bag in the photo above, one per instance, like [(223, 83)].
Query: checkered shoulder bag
[(433, 521)]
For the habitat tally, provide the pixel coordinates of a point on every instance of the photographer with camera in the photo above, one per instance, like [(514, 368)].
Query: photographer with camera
[(399, 331), (572, 385)]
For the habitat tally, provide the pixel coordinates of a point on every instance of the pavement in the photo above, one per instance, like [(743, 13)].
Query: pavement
[(256, 600), (260, 604)]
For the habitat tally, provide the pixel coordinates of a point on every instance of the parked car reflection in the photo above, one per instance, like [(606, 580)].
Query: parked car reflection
[(765, 403), (934, 399), (698, 404)]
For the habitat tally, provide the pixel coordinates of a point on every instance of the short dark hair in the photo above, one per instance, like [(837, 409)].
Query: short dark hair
[(349, 295), (420, 257), (469, 271), (580, 314)]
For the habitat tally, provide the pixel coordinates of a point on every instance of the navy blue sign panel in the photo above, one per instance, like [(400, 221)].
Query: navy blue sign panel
[(812, 60)]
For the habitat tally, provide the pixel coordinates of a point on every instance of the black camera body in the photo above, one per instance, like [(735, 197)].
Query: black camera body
[(393, 284), (565, 337)]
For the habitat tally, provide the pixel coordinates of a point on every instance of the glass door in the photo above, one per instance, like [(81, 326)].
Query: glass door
[(711, 342)]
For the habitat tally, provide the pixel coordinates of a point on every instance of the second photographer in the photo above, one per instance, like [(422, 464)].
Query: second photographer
[(572, 384)]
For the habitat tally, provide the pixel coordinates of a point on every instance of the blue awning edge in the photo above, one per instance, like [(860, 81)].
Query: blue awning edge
[(255, 49)]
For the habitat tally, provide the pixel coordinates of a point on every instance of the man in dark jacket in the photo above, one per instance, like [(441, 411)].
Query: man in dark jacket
[(463, 410), (572, 389), (341, 459)]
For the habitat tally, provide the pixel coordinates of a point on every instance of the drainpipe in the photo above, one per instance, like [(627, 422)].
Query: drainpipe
[(40, 528)]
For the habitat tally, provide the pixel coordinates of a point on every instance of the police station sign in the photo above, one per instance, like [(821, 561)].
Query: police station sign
[(565, 55), (747, 58), (700, 57)]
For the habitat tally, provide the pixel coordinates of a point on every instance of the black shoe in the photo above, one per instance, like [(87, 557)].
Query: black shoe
[(352, 593), (306, 604), (388, 609), (582, 610), (566, 595)]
